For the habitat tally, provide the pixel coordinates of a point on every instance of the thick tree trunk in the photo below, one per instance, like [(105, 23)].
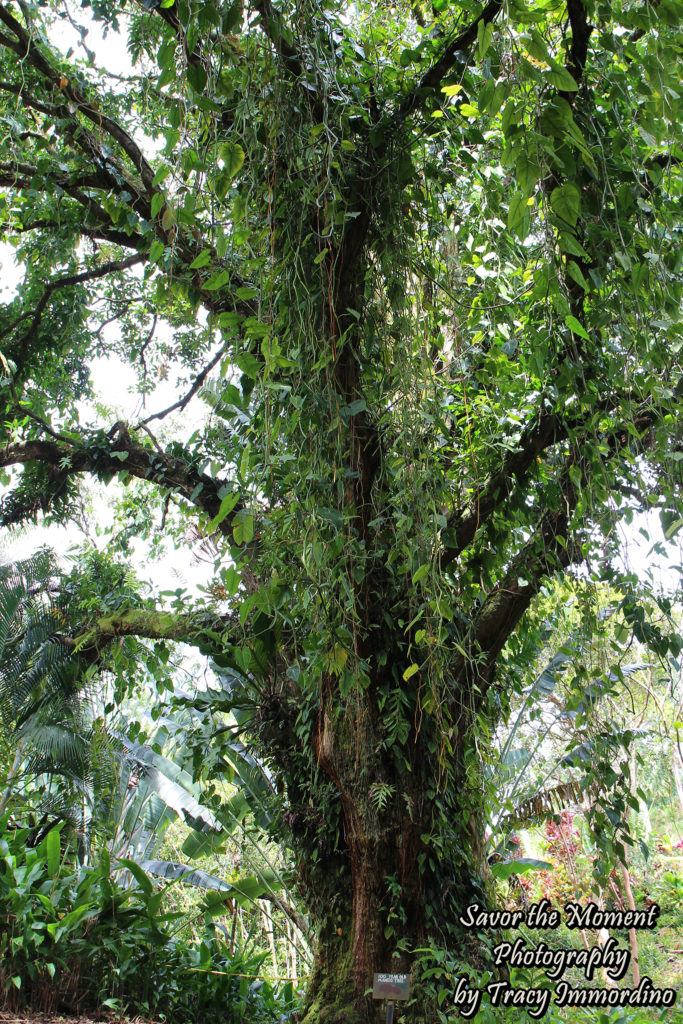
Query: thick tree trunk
[(397, 885)]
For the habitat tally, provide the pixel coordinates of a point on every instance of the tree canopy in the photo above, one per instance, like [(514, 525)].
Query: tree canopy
[(421, 264)]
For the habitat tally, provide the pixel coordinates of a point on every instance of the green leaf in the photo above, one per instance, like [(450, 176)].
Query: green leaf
[(354, 407), (243, 529), (156, 251), (421, 573), (566, 202), (246, 293), (408, 57), (535, 45), (202, 260), (569, 243), (574, 271), (227, 505), (561, 79), (505, 868), (138, 874), (168, 218), (196, 76), (53, 850), (574, 325), (410, 671), (518, 207), (232, 156), (217, 281), (158, 201), (528, 172), (484, 36)]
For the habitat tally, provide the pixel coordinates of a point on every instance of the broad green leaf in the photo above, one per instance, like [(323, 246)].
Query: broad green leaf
[(217, 280), (561, 79), (232, 156), (484, 36), (168, 218), (227, 505), (421, 573), (156, 250), (569, 243), (243, 529), (53, 848), (536, 46), (202, 260), (518, 208), (528, 172), (138, 874), (505, 868), (566, 202), (158, 201), (574, 271), (410, 671), (574, 325)]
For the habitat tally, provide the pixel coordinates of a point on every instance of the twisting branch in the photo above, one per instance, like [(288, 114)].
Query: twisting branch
[(182, 402), (433, 78), (551, 547), (542, 434), (70, 281), (546, 431), (27, 49)]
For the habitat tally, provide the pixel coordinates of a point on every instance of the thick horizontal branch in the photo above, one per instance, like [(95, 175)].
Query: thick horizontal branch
[(117, 453), (152, 625), (102, 234)]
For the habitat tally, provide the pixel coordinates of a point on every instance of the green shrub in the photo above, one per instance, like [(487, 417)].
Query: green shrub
[(83, 938)]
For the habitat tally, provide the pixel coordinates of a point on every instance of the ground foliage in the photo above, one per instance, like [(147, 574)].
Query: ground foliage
[(422, 263)]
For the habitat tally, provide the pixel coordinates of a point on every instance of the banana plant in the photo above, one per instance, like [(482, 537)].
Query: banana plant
[(524, 795)]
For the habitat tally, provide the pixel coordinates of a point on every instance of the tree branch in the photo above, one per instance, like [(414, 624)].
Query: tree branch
[(108, 455), (151, 625), (27, 49), (581, 33), (23, 344), (550, 548), (98, 233), (182, 402), (433, 78), (463, 524)]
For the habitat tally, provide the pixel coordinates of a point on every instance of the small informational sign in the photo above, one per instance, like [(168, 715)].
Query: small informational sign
[(391, 986)]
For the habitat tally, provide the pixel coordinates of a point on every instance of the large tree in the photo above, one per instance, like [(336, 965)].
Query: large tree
[(421, 261)]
